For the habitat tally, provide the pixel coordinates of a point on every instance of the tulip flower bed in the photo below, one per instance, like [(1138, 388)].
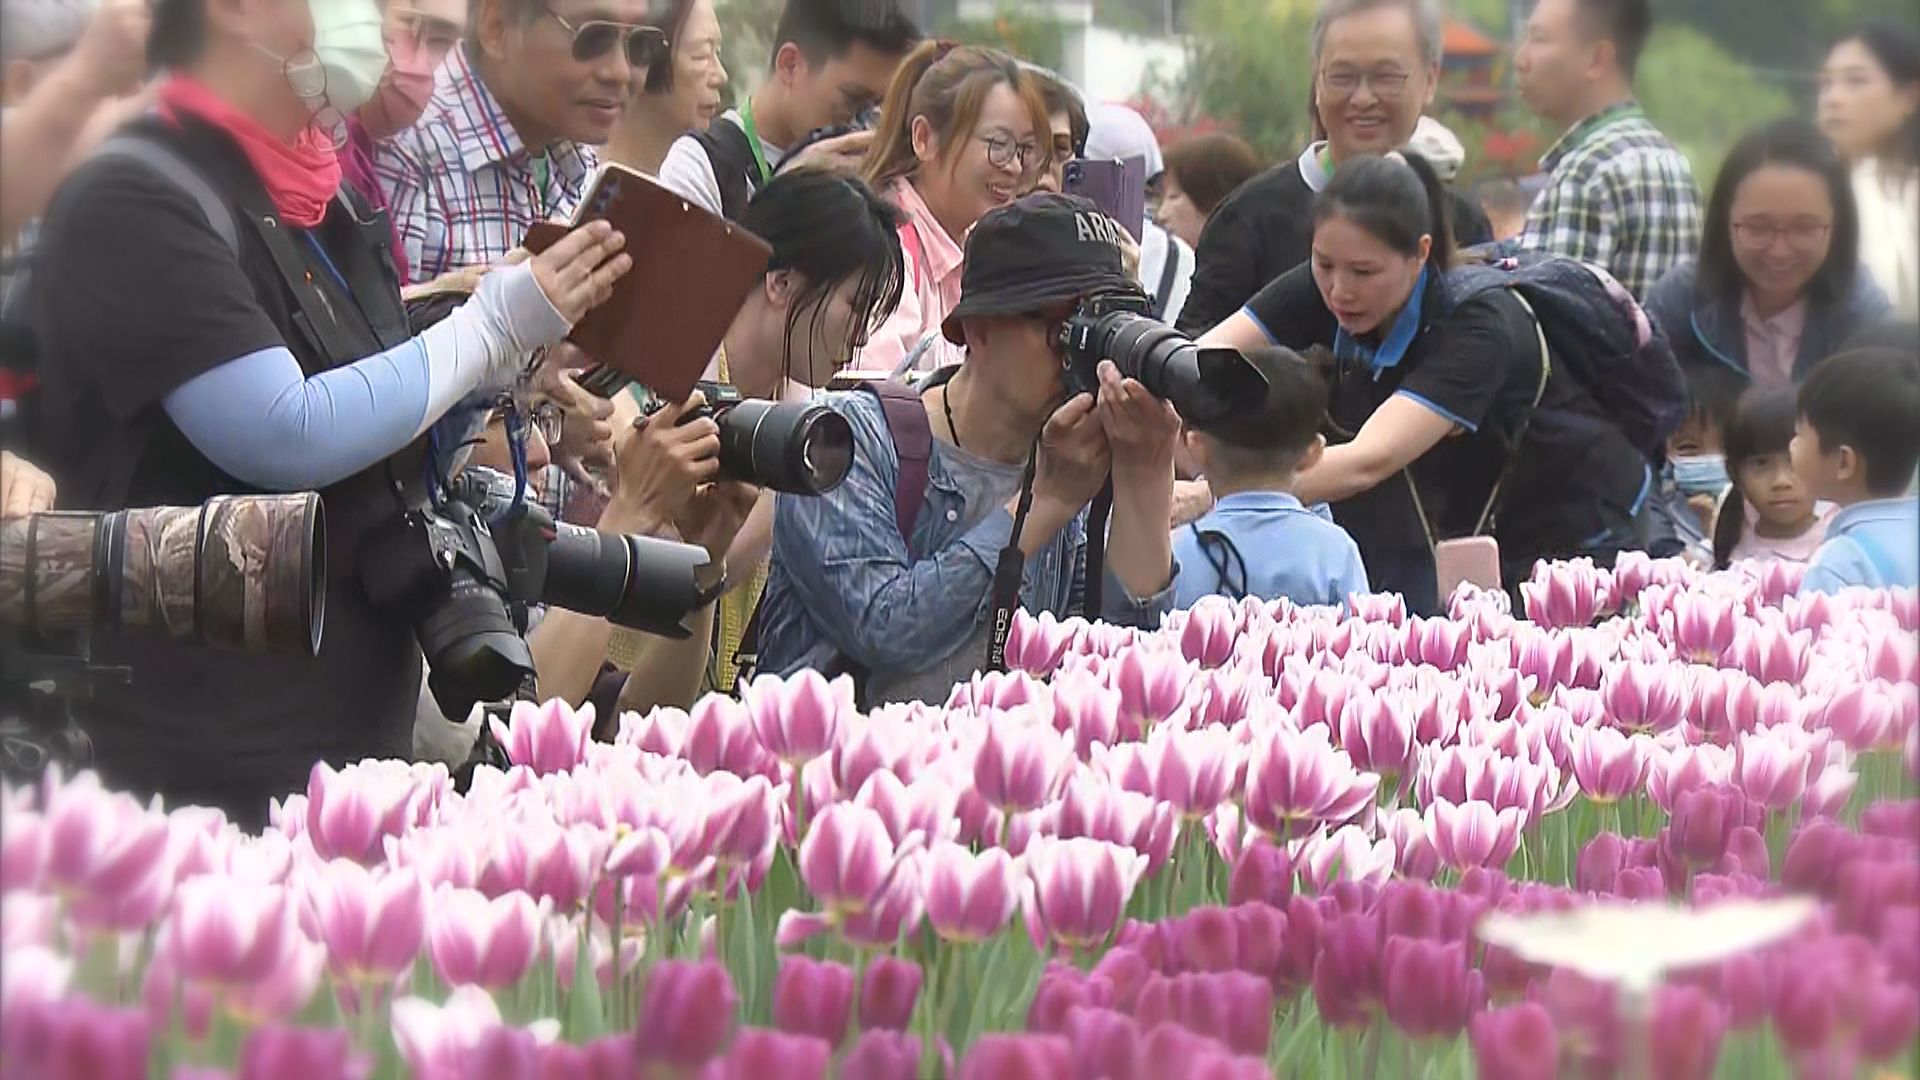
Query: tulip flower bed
[(1263, 840)]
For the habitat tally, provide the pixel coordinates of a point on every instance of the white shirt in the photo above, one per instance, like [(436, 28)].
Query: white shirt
[(1155, 245), (688, 171)]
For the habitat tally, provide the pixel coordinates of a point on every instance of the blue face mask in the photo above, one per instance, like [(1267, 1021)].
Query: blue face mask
[(1701, 474)]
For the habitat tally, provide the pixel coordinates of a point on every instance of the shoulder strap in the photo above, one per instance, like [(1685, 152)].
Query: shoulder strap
[(1169, 271), (163, 160), (1539, 391), (733, 167), (912, 443)]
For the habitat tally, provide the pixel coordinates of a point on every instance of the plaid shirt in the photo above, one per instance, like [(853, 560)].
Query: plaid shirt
[(461, 187), (1620, 196)]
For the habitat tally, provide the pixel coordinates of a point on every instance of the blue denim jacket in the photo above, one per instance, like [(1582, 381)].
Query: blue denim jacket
[(1875, 544), (845, 585), (1268, 546)]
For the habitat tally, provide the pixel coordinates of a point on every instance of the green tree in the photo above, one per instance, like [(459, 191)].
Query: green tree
[(1248, 66), (1704, 98), (1035, 38)]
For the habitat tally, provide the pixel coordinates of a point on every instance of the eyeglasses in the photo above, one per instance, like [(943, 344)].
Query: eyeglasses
[(1005, 153), (1387, 85), (645, 45), (426, 29), (543, 416), (1799, 235)]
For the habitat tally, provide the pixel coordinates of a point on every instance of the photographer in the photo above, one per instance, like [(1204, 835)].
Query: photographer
[(218, 313), (909, 615)]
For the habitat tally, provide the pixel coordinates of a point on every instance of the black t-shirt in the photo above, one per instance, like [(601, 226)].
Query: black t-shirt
[(1263, 230), (1478, 365), (135, 294)]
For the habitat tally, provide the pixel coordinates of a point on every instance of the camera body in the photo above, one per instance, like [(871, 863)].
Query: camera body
[(463, 573), (799, 447), (1205, 385)]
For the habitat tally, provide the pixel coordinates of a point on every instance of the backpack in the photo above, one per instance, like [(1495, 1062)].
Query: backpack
[(1598, 335), (733, 166)]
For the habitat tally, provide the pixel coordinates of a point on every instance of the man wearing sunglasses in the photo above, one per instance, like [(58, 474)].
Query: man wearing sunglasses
[(832, 61), (507, 138)]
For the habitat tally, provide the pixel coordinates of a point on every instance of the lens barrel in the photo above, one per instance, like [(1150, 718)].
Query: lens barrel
[(1205, 385), (633, 581), (797, 447)]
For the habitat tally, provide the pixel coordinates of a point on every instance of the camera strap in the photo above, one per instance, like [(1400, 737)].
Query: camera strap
[(1009, 571), (1095, 568)]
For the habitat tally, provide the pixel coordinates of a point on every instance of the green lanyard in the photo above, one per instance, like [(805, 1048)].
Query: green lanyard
[(753, 141), (540, 170)]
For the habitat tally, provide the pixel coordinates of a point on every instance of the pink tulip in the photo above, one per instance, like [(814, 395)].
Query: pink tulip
[(1770, 771), (373, 927), (229, 933), (1000, 691), (1085, 707), (1151, 684), (1439, 643), (1019, 764), (1414, 856), (1077, 890), (813, 998), (888, 990), (1296, 780), (1861, 715), (797, 719), (1037, 645), (1323, 698), (1516, 1043), (896, 912), (970, 897), (1379, 734), (1645, 697), (848, 860), (1828, 794), (1193, 770), (547, 738), (1673, 773), (757, 1054), (925, 807), (882, 1055), (75, 1039), (489, 943), (1345, 855), (1473, 834), (312, 1054), (1564, 594), (688, 1016), (33, 975), (875, 744), (1389, 608), (104, 850), (1769, 654), (1209, 632), (452, 1041), (351, 813), (23, 849), (1701, 627), (1018, 1057), (721, 738), (1609, 765)]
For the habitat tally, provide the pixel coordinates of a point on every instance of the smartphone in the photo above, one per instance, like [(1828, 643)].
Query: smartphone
[(1473, 559), (1118, 188)]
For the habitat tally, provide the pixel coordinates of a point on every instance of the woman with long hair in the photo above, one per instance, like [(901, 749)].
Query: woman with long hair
[(1776, 288), (963, 130), (679, 96), (1870, 108)]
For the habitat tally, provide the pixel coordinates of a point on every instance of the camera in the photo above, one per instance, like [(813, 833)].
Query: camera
[(453, 571), (797, 447), (245, 572), (1205, 385)]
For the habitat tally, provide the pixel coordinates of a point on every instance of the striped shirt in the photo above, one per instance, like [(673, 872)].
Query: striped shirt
[(461, 187), (1619, 196)]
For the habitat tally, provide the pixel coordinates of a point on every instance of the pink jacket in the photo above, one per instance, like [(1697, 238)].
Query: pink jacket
[(932, 291)]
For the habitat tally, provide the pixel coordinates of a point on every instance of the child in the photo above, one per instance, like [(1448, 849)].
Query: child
[(1769, 514), (1689, 489), (1857, 443), (1258, 540)]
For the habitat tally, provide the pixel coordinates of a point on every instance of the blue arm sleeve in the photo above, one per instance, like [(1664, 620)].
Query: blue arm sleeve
[(262, 421)]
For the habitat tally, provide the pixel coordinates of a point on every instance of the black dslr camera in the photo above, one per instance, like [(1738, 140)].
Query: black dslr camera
[(453, 570), (797, 447), (1205, 385)]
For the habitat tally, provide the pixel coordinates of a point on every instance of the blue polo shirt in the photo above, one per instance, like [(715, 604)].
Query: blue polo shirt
[(1875, 544), (1265, 544)]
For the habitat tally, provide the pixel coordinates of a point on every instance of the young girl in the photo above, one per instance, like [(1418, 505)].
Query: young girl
[(1768, 514)]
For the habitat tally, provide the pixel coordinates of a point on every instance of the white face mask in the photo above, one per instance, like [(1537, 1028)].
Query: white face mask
[(344, 63)]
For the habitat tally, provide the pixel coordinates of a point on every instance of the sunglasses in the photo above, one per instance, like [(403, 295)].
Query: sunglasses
[(593, 39)]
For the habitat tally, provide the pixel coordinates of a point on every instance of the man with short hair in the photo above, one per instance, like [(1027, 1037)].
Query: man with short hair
[(1376, 65), (832, 61), (1619, 195), (911, 615), (506, 142)]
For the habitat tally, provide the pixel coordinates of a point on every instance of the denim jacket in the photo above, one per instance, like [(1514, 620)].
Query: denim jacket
[(846, 587)]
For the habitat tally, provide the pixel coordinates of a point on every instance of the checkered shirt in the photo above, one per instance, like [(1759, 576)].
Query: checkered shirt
[(1619, 196), (462, 188)]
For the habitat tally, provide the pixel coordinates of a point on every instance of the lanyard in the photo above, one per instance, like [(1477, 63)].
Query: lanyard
[(541, 169), (753, 141)]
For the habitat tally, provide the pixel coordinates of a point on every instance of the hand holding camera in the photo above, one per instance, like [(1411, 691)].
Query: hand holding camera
[(1142, 429), (24, 489), (840, 153), (661, 462), (1073, 464)]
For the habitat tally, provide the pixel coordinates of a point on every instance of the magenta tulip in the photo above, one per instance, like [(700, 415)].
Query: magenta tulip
[(1516, 1043), (1346, 974), (373, 927), (1379, 734), (75, 1039), (813, 998), (889, 989), (1077, 890), (1414, 857), (1429, 990), (1193, 770), (1020, 764), (1037, 645), (721, 738), (688, 1015), (1232, 1007), (882, 1055), (1064, 990), (1106, 1044), (1648, 698), (897, 911), (1600, 863), (1346, 854), (1473, 834), (970, 897), (272, 1053), (1770, 771), (1892, 1022), (1609, 765), (549, 738), (758, 1054), (1263, 873), (477, 941), (1152, 685), (1018, 1057), (1703, 824), (1673, 773), (797, 719), (1685, 1033), (1297, 780), (848, 859)]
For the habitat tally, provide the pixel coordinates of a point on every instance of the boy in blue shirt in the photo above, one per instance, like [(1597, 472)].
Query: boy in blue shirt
[(1258, 540), (1857, 443)]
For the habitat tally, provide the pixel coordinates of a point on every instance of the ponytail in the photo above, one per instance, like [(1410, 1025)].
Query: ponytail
[(1729, 526), (1397, 200), (948, 84)]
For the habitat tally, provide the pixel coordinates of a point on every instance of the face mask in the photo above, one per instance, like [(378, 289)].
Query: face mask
[(410, 73), (347, 41), (1701, 474)]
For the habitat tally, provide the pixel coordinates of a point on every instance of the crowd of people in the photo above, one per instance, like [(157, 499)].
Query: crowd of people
[(280, 247)]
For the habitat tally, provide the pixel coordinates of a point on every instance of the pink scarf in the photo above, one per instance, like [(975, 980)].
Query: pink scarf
[(301, 178)]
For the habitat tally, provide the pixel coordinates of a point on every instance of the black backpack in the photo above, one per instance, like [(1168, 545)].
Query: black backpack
[(733, 166), (1597, 334)]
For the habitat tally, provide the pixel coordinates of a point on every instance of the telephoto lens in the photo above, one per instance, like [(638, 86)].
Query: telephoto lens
[(632, 581), (1205, 385), (244, 572), (797, 447)]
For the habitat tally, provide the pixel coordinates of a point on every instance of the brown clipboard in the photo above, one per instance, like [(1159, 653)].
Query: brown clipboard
[(691, 272)]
